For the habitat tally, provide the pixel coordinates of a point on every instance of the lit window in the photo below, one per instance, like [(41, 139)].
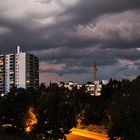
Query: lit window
[(27, 81)]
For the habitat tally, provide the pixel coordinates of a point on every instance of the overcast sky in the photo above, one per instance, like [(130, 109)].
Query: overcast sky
[(69, 35)]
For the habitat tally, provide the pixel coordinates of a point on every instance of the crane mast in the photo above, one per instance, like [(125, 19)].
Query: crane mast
[(94, 78)]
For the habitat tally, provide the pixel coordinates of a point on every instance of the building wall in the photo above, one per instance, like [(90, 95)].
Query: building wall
[(2, 74), (32, 71), (20, 67), (9, 71)]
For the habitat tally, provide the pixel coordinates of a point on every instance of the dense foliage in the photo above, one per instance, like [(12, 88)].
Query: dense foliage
[(56, 113), (51, 112), (48, 113), (123, 109), (14, 107)]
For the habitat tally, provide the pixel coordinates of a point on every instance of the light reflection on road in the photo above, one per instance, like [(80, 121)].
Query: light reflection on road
[(76, 137), (79, 134)]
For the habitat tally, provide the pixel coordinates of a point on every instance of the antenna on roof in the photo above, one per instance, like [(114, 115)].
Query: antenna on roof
[(18, 49)]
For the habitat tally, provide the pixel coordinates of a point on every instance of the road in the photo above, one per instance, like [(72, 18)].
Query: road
[(79, 134), (76, 137)]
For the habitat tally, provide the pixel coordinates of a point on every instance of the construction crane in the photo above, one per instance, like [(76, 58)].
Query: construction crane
[(94, 70)]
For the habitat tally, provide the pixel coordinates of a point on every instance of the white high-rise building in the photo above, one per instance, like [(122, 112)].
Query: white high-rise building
[(21, 70), (9, 71)]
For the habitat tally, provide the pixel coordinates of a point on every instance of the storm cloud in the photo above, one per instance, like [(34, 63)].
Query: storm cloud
[(68, 36)]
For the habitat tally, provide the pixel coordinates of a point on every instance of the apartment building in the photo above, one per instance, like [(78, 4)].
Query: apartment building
[(20, 69), (2, 73)]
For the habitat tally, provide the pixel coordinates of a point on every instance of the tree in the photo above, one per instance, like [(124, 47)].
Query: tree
[(14, 108), (56, 113), (42, 89), (123, 111), (30, 119)]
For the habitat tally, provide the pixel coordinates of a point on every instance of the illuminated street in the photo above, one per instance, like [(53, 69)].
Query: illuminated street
[(85, 135), (76, 137)]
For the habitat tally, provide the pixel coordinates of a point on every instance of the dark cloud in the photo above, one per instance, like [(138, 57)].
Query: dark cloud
[(75, 33), (68, 71), (86, 11)]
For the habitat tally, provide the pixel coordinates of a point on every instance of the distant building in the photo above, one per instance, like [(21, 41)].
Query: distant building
[(71, 85), (93, 88), (20, 69)]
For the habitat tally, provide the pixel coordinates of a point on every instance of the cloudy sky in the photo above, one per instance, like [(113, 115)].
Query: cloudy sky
[(69, 35)]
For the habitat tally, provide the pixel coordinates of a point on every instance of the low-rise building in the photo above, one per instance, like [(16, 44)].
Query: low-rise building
[(93, 88)]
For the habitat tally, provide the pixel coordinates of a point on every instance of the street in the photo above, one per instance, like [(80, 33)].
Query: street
[(79, 134), (76, 137)]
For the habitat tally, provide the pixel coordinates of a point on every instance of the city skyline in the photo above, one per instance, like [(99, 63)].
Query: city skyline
[(68, 36)]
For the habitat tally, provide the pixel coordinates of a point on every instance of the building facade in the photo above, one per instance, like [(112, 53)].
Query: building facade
[(93, 88), (2, 73), (9, 71), (20, 70)]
